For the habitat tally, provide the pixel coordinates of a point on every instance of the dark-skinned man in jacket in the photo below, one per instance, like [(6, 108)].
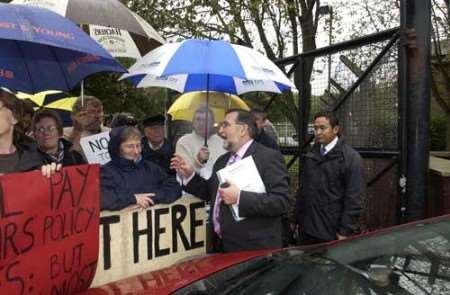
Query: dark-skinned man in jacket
[(332, 186)]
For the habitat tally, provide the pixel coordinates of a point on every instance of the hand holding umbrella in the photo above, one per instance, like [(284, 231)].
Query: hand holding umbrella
[(203, 154)]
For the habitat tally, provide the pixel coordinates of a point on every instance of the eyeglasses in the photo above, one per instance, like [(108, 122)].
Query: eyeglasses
[(49, 129)]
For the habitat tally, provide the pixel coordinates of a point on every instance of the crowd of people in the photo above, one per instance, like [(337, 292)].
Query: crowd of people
[(146, 169)]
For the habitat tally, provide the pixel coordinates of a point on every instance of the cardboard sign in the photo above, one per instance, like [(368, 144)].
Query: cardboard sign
[(95, 148), (134, 242), (49, 231), (116, 41)]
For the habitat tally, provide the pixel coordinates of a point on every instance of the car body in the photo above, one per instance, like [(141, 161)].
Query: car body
[(408, 259)]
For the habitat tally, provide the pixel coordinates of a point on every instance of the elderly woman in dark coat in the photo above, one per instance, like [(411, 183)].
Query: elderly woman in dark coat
[(130, 180)]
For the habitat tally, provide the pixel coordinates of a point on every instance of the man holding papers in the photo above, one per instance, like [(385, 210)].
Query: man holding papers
[(248, 188)]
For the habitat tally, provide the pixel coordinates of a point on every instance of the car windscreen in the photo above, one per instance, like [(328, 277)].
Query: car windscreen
[(412, 260)]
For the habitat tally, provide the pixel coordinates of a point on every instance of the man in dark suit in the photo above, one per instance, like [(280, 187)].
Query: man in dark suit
[(261, 227)]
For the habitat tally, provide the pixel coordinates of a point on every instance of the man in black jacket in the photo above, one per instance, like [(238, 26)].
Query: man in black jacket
[(155, 147), (261, 227), (332, 185)]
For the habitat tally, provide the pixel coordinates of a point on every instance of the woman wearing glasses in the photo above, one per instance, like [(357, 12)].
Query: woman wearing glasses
[(128, 179), (48, 131)]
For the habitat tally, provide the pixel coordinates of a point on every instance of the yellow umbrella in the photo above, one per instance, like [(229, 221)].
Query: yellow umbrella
[(56, 100), (50, 99), (184, 107)]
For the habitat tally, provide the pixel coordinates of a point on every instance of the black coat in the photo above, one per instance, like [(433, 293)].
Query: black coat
[(70, 158), (331, 193), (29, 157), (262, 226), (160, 157), (121, 179)]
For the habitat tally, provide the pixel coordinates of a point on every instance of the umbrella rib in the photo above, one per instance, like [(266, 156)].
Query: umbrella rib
[(60, 66), (19, 48)]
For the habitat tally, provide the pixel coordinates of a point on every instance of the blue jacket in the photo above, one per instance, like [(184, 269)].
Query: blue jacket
[(122, 178)]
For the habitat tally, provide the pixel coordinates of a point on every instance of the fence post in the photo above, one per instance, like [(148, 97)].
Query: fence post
[(416, 29)]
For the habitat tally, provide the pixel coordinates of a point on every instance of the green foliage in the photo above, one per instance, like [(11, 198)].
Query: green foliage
[(123, 97), (438, 132)]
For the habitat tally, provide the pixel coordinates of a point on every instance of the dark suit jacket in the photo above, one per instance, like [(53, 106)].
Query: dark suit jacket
[(263, 211)]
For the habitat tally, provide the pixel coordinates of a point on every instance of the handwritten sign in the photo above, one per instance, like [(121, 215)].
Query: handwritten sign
[(95, 148), (134, 242), (49, 231)]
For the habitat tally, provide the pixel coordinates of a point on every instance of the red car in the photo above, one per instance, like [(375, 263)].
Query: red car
[(409, 259)]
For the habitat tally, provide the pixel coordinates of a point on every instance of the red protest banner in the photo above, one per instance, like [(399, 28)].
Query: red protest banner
[(49, 231)]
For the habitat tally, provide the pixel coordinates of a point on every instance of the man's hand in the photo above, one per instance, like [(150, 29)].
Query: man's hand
[(50, 169), (340, 237), (144, 200), (229, 194), (181, 166), (203, 154)]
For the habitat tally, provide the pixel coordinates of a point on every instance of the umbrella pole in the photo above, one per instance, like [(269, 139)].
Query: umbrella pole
[(82, 93), (82, 83), (207, 111)]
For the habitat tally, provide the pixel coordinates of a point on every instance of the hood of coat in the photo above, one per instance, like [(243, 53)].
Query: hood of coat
[(114, 149)]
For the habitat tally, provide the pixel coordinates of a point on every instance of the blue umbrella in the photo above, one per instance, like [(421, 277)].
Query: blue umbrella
[(199, 65), (42, 50)]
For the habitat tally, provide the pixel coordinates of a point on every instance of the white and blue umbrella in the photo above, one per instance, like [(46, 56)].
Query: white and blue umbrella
[(199, 65)]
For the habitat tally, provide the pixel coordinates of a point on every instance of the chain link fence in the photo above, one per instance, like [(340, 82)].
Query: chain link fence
[(368, 120)]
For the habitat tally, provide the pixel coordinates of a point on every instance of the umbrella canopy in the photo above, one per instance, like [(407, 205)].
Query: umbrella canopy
[(185, 105), (196, 65), (41, 50), (56, 100), (119, 30), (51, 99)]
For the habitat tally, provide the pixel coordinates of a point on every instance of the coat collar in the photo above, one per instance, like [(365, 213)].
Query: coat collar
[(336, 151)]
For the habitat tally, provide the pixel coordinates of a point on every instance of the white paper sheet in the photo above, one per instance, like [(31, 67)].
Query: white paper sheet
[(246, 176)]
